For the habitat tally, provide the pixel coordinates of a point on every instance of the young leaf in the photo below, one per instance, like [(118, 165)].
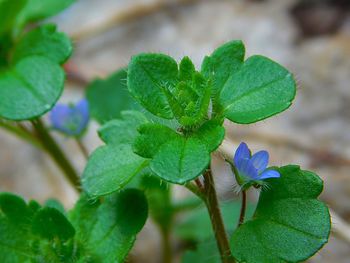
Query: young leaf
[(149, 77), (110, 168), (35, 10), (259, 89), (44, 41), (223, 63), (30, 88), (109, 97), (180, 160), (289, 225), (50, 223), (122, 130), (106, 231), (174, 157)]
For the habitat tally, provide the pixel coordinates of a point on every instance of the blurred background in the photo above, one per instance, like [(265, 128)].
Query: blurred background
[(310, 38)]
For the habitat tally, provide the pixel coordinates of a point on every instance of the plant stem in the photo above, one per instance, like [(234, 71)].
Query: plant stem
[(56, 153), (166, 245), (212, 204), (21, 134), (194, 189), (243, 208)]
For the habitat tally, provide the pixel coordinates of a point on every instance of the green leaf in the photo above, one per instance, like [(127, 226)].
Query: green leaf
[(44, 41), (175, 158), (259, 89), (149, 76), (131, 211), (122, 130), (152, 137), (223, 63), (54, 203), (18, 243), (50, 223), (211, 133), (158, 194), (289, 225), (110, 168), (36, 10), (102, 228), (180, 160), (109, 97), (14, 245), (30, 88), (14, 208), (8, 12)]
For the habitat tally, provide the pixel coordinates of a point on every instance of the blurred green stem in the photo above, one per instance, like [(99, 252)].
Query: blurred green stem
[(56, 153), (167, 254), (20, 133)]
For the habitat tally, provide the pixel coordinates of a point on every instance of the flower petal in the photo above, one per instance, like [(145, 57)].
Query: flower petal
[(260, 160), (269, 174), (241, 153), (246, 168)]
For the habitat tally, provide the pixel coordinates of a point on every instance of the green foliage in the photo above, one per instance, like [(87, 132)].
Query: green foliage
[(122, 130), (259, 89), (108, 230), (168, 90), (159, 199), (174, 157), (289, 225), (33, 82), (35, 10), (96, 231), (8, 12), (30, 88), (112, 166), (44, 41), (224, 62), (50, 223), (29, 233), (109, 97)]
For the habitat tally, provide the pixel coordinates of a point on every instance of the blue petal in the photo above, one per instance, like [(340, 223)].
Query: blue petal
[(241, 153), (71, 120), (246, 168), (260, 160), (269, 174)]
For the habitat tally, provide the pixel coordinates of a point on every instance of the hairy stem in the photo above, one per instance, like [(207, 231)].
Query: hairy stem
[(56, 153), (212, 204), (243, 208)]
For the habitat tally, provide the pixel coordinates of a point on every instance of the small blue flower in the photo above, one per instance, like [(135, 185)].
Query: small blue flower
[(70, 119), (252, 168)]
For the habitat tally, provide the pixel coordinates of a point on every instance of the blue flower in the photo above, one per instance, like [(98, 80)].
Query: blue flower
[(70, 119), (252, 168)]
